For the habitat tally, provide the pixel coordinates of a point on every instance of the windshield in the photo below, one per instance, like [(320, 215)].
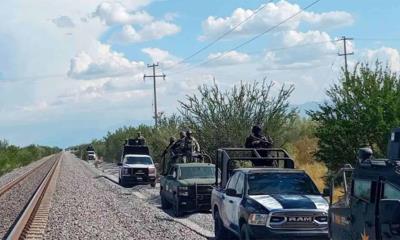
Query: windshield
[(281, 183), (138, 160), (197, 172)]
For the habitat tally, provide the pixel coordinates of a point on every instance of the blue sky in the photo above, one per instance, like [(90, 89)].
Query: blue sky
[(71, 72)]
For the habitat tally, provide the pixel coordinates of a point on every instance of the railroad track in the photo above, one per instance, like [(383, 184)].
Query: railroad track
[(26, 201)]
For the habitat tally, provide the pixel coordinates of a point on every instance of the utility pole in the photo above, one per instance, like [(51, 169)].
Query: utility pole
[(345, 53), (154, 76)]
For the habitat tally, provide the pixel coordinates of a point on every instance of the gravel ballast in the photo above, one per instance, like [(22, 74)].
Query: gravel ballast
[(85, 206), (13, 201)]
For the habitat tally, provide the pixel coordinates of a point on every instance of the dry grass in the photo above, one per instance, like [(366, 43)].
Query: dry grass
[(303, 152)]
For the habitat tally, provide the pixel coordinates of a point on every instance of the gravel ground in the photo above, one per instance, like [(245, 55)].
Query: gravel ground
[(14, 201), (8, 177), (152, 195), (88, 207)]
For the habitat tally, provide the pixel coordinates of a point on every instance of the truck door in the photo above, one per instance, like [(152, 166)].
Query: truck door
[(229, 202), (389, 212), (235, 204), (169, 186), (363, 208), (339, 211)]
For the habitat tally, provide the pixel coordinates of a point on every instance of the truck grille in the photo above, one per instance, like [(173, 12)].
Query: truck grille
[(202, 194), (298, 220), (138, 171)]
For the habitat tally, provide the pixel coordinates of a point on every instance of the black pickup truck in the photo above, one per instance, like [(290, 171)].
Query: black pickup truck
[(267, 198)]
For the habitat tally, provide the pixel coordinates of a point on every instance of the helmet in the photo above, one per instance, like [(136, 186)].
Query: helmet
[(172, 139), (364, 153), (182, 134), (189, 132), (256, 129)]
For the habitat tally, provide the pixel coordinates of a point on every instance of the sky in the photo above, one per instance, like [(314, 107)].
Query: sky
[(69, 73)]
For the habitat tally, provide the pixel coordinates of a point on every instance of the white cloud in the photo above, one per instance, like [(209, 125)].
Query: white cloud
[(161, 56), (271, 15), (63, 22), (387, 55), (116, 13), (228, 58), (151, 31), (102, 62)]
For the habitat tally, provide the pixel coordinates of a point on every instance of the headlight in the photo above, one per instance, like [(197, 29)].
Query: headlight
[(125, 171), (183, 191), (258, 219)]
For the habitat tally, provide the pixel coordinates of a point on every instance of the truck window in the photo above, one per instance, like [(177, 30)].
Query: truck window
[(281, 183), (232, 181), (138, 160), (390, 192), (362, 189), (197, 172), (240, 184)]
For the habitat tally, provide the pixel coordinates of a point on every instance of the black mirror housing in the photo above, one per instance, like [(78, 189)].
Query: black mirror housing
[(119, 164), (231, 192), (326, 192)]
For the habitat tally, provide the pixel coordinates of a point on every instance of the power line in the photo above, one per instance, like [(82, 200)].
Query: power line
[(253, 38), (221, 36)]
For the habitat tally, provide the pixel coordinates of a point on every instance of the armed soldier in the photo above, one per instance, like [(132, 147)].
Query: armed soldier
[(169, 148), (191, 144), (139, 140), (257, 139)]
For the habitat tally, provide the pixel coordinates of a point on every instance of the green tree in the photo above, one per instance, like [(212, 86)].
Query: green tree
[(362, 109), (224, 118)]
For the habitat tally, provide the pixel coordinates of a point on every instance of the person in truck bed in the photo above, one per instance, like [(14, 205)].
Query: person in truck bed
[(257, 139)]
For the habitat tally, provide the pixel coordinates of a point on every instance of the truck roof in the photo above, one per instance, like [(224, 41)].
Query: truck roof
[(137, 155), (194, 165), (270, 170)]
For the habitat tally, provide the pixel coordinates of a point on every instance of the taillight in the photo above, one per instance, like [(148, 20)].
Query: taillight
[(152, 171)]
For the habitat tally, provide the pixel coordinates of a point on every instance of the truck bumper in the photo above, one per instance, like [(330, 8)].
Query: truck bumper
[(263, 232), (138, 180), (191, 204)]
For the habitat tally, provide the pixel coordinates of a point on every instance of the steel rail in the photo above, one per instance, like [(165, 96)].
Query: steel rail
[(5, 188), (22, 225)]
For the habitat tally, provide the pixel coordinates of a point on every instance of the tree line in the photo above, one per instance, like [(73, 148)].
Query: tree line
[(12, 157), (360, 110)]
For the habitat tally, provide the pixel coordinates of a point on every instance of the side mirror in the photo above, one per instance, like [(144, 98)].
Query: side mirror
[(231, 192), (326, 192), (119, 163)]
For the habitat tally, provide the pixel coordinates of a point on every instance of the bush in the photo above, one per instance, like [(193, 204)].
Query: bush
[(12, 157)]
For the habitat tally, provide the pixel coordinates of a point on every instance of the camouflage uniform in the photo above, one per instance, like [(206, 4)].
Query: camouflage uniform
[(257, 140)]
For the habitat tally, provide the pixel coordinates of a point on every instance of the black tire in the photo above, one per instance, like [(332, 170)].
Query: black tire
[(153, 184), (164, 203), (122, 182), (220, 231), (245, 233), (177, 210)]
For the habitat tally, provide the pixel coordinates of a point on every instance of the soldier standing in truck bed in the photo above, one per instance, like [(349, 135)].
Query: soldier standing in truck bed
[(172, 141), (257, 140), (191, 144), (140, 140)]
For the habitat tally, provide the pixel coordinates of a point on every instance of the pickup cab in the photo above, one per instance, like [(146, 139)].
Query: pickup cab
[(266, 202)]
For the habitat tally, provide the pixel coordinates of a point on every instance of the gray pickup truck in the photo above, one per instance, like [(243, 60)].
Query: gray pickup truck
[(267, 198)]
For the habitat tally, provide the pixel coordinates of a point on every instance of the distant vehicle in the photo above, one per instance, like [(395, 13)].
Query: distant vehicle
[(136, 166), (261, 196), (187, 187), (365, 200), (90, 153)]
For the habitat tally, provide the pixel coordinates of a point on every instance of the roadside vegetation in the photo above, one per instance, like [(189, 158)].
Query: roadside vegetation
[(12, 157), (361, 109)]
